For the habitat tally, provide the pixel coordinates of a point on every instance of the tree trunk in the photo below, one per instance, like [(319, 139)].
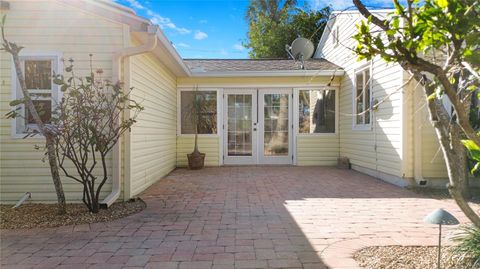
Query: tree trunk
[(448, 134), (195, 147), (52, 159), (467, 99)]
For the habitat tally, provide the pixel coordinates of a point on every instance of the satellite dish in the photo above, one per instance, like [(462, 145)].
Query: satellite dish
[(302, 48)]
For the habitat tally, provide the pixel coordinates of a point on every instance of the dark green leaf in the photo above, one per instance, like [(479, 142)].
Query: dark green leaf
[(17, 102)]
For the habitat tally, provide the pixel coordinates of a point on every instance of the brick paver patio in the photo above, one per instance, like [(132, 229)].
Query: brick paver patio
[(239, 217)]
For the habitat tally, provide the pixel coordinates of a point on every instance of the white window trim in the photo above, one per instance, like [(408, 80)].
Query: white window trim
[(179, 110), (335, 36), (296, 115), (355, 125), (15, 87)]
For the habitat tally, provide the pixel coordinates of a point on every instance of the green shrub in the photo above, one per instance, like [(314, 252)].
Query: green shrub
[(468, 244)]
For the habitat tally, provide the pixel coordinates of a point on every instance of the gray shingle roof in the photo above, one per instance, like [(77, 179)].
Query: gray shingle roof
[(232, 65)]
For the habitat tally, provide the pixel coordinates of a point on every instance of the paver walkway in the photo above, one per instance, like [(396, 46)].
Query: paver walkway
[(238, 217)]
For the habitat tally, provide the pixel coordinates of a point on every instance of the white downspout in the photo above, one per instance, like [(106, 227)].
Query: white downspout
[(148, 46)]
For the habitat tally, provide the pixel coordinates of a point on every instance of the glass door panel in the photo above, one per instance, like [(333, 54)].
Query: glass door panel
[(240, 117), (275, 126), (239, 125)]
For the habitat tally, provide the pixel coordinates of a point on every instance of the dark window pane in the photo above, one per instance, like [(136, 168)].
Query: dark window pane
[(207, 112), (359, 97), (317, 111), (304, 112), (44, 110), (38, 74), (367, 97)]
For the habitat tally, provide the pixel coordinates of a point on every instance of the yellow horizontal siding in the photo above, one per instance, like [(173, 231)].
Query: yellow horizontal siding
[(379, 148), (433, 163), (206, 144), (153, 137), (45, 27), (317, 150)]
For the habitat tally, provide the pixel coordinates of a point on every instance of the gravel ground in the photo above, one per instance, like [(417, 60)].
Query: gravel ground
[(45, 215), (398, 257)]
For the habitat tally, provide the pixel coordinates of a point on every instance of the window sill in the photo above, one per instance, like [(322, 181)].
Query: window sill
[(22, 136), (362, 127), (317, 134), (199, 135)]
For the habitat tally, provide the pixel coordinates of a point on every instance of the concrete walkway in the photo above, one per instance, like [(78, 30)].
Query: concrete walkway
[(239, 217)]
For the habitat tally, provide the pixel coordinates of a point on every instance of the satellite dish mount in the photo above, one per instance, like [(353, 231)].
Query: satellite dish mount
[(301, 49)]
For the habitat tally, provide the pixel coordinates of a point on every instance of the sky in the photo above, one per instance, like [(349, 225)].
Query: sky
[(212, 28)]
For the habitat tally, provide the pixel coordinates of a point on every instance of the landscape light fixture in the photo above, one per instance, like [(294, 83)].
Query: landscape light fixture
[(440, 217)]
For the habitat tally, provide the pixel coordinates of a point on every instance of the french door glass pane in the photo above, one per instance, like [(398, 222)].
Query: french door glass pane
[(276, 125), (239, 125)]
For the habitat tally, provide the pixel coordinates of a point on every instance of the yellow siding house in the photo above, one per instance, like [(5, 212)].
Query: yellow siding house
[(264, 112)]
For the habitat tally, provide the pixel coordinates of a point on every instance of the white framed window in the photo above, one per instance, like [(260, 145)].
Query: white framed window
[(208, 114), (38, 70), (317, 111), (362, 98)]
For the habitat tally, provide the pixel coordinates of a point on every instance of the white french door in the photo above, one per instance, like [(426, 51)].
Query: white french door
[(240, 120), (257, 126), (275, 126)]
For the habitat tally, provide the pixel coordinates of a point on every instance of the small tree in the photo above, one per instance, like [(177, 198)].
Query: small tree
[(43, 128), (437, 42), (202, 118), (88, 124)]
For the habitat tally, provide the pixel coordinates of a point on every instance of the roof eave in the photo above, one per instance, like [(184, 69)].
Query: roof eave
[(125, 15), (174, 53), (286, 73), (355, 11)]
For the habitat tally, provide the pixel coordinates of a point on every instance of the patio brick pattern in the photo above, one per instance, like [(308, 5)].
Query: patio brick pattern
[(239, 217)]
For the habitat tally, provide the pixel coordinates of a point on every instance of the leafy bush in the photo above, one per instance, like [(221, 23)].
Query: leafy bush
[(89, 122), (468, 244)]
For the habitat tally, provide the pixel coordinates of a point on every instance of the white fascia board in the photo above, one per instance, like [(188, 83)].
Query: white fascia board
[(173, 52), (127, 16), (355, 11), (291, 73)]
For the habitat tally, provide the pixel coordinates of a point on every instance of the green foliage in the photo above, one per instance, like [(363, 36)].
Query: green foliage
[(468, 244), (431, 35), (474, 154), (435, 24), (272, 25)]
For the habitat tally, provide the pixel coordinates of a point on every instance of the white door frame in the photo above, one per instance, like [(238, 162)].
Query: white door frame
[(232, 160), (262, 159)]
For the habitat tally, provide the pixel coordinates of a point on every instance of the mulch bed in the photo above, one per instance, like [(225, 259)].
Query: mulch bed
[(442, 194), (399, 257), (45, 215)]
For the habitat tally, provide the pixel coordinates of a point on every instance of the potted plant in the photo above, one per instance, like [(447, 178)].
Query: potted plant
[(199, 115)]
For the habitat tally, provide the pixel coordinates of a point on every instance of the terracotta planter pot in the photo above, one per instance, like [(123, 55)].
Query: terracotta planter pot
[(196, 160)]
